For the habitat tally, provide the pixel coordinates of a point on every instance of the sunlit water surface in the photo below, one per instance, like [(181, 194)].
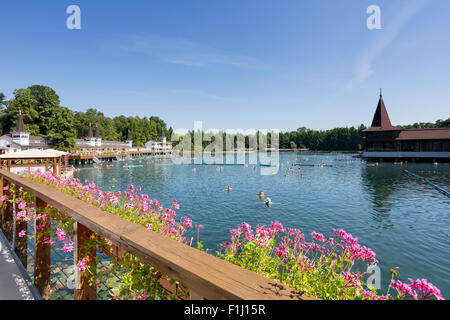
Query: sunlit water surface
[(404, 220)]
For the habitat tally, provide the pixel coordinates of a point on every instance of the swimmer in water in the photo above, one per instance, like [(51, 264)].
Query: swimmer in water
[(268, 202), (228, 188), (261, 194)]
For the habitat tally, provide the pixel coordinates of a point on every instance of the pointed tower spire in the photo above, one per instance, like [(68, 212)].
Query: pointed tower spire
[(96, 131), (20, 127), (381, 119), (129, 135), (90, 135)]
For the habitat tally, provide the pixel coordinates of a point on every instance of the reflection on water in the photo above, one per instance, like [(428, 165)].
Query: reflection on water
[(405, 221)]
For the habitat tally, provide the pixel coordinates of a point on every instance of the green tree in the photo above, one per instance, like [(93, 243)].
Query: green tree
[(25, 102), (63, 133), (47, 106), (3, 112), (2, 100)]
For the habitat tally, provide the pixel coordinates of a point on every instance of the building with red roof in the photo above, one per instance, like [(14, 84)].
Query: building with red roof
[(383, 141)]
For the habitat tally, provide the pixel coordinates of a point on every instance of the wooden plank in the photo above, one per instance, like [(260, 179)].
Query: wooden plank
[(195, 296), (42, 253), (209, 276), (83, 238)]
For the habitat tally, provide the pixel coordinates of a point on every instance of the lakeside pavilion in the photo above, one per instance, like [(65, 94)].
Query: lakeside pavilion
[(34, 159), (385, 142)]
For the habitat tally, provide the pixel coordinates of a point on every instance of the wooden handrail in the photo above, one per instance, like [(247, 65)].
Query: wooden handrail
[(205, 275)]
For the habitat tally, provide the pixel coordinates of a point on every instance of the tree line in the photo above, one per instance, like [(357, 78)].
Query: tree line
[(44, 116), (337, 139), (342, 139)]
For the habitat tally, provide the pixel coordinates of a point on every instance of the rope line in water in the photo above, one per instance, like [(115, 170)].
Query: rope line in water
[(444, 192)]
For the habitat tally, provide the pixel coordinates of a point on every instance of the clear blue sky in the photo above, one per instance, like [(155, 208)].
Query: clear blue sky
[(232, 63)]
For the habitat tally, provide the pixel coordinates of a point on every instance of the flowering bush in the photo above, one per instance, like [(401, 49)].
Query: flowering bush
[(324, 267), (138, 280)]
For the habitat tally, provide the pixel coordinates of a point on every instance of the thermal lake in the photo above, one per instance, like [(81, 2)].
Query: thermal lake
[(404, 220)]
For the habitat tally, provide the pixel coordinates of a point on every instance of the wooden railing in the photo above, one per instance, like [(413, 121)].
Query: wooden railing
[(206, 276)]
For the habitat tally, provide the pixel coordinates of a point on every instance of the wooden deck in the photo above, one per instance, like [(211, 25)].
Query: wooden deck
[(206, 276), (15, 283)]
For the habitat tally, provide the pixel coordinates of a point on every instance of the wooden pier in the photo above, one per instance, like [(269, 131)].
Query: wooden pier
[(109, 157)]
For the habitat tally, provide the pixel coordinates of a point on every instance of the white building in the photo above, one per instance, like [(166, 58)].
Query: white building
[(161, 147), (20, 139), (94, 143)]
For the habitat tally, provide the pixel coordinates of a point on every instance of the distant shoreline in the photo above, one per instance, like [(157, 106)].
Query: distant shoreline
[(288, 151)]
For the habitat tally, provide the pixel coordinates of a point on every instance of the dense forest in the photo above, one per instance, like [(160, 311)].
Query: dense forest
[(337, 139), (44, 116), (343, 139)]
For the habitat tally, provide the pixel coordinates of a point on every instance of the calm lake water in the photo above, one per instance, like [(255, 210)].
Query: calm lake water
[(404, 220)]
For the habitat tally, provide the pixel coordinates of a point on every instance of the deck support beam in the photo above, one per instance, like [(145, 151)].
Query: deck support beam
[(42, 260), (85, 247)]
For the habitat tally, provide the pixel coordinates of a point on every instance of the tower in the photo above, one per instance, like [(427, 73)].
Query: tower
[(129, 141), (20, 135), (98, 139), (90, 137)]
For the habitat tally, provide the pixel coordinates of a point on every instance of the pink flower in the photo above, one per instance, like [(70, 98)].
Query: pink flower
[(318, 237), (282, 250), (68, 247), (21, 233), (425, 289), (246, 228), (82, 264), (21, 214), (276, 226), (187, 223), (61, 234)]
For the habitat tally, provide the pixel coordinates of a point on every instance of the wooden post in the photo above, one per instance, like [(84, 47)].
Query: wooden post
[(42, 253), (8, 216), (55, 167), (85, 247), (20, 243)]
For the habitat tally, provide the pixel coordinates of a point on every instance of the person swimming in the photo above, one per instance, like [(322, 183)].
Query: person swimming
[(261, 194), (268, 202), (228, 188)]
